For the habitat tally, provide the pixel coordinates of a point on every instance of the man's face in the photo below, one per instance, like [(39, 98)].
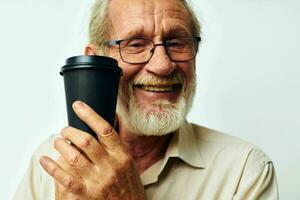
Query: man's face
[(154, 98)]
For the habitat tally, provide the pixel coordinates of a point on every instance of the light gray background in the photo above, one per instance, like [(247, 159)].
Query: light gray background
[(248, 77)]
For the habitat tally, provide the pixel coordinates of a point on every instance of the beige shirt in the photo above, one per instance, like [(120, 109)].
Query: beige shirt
[(200, 164)]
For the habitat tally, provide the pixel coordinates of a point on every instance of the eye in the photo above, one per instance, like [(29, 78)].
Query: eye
[(137, 43), (175, 43)]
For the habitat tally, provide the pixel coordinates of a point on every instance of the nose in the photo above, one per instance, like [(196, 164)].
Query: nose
[(160, 63)]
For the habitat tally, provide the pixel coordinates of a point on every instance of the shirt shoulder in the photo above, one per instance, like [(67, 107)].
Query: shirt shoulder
[(210, 135), (247, 164), (216, 142)]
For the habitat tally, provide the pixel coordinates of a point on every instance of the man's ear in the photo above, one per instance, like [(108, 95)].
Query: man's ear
[(90, 50)]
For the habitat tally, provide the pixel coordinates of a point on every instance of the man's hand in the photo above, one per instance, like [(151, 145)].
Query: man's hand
[(89, 170)]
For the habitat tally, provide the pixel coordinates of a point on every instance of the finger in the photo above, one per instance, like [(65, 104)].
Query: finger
[(61, 193), (61, 161), (69, 182), (85, 142), (71, 155), (105, 132)]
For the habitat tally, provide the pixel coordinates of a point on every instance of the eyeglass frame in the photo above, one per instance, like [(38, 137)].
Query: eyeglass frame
[(111, 43)]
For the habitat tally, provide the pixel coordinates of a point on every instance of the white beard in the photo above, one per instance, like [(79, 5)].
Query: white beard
[(156, 118)]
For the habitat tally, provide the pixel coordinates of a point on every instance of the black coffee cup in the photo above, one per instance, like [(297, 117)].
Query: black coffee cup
[(95, 81)]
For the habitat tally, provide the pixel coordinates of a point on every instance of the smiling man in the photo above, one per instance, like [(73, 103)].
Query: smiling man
[(153, 153)]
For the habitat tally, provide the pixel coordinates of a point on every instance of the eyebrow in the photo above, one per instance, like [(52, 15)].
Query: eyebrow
[(135, 32), (177, 31), (174, 31)]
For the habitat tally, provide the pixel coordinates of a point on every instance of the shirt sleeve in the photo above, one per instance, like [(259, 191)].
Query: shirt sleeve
[(258, 181), (27, 187), (36, 183)]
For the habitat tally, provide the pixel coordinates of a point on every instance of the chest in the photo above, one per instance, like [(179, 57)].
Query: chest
[(181, 181)]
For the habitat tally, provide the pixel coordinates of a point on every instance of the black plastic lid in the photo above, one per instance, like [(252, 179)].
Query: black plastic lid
[(101, 62)]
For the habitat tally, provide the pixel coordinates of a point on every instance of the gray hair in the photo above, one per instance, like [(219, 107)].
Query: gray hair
[(100, 24)]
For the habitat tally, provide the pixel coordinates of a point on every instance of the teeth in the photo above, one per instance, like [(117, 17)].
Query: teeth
[(157, 89)]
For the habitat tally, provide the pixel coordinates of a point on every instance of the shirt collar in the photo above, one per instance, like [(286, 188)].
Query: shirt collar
[(183, 145), (186, 147)]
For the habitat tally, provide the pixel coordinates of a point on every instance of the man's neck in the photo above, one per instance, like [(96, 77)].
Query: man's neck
[(145, 150)]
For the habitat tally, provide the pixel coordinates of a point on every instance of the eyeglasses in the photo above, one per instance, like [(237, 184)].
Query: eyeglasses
[(140, 50)]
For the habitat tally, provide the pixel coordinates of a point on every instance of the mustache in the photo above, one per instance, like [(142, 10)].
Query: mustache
[(153, 80)]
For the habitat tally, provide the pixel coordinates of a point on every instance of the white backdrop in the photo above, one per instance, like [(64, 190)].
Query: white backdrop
[(248, 77)]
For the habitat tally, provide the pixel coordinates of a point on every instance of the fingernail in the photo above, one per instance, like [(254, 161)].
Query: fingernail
[(78, 105)]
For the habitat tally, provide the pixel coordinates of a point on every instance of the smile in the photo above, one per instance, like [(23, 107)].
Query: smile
[(159, 88)]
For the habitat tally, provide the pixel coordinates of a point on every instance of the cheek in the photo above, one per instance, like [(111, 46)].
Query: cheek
[(128, 70), (187, 69)]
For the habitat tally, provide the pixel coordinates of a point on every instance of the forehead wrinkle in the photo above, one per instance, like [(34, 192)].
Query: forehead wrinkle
[(180, 27), (130, 10), (150, 13), (178, 14), (176, 9), (175, 13)]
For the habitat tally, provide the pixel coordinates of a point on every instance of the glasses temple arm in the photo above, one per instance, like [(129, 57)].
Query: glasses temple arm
[(112, 43)]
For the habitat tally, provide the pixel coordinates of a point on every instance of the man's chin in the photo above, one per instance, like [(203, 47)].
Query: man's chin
[(159, 108), (157, 119)]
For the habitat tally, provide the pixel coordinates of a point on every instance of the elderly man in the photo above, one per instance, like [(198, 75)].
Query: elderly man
[(153, 153)]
